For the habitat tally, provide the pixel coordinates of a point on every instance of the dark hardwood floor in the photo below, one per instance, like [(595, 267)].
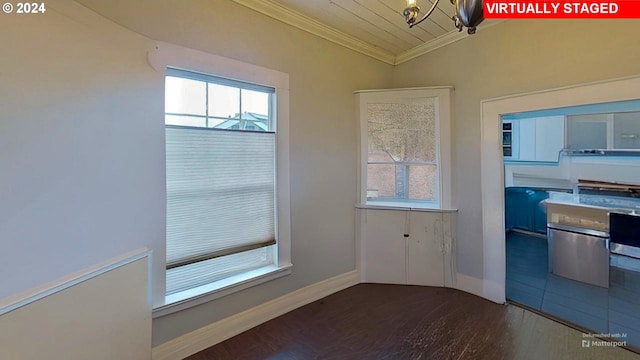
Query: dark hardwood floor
[(374, 321)]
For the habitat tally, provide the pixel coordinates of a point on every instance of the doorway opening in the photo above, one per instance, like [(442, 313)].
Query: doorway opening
[(559, 260), (517, 262)]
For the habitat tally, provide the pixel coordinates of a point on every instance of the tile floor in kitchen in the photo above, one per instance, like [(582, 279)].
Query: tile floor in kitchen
[(593, 308)]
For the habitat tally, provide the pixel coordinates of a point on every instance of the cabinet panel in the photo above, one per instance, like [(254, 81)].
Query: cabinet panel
[(516, 207), (587, 131), (549, 138), (626, 130), (425, 249), (450, 264), (523, 209), (385, 248), (527, 137)]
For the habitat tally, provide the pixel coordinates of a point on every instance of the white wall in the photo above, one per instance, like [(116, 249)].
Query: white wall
[(538, 175), (512, 57), (82, 140), (81, 145), (572, 168), (624, 170)]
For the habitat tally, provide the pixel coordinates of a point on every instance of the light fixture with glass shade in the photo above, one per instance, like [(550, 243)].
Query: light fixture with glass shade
[(468, 13)]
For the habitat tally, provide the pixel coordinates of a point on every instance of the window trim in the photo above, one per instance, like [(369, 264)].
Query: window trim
[(167, 55), (444, 95), (202, 294)]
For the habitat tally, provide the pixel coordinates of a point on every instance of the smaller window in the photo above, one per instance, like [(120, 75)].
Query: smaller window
[(405, 148)]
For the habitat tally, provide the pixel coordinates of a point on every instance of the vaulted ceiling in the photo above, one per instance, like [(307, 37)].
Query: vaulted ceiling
[(373, 27)]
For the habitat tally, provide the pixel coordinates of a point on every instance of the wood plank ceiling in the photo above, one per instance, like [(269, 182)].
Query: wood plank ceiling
[(379, 24)]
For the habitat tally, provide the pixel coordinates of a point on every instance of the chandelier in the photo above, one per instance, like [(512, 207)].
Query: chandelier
[(468, 14)]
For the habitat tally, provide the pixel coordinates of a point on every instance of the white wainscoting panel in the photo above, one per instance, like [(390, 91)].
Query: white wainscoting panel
[(100, 314)]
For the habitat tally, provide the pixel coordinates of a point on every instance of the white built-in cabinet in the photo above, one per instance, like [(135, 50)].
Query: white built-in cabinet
[(619, 130), (541, 138), (549, 137), (414, 247)]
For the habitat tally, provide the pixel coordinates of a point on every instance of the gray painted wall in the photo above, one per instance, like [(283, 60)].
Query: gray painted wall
[(82, 139), (81, 145)]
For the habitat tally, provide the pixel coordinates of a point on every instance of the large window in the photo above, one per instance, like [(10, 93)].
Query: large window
[(221, 178), (405, 147)]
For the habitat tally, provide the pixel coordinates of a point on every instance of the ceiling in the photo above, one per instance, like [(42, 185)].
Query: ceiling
[(373, 27)]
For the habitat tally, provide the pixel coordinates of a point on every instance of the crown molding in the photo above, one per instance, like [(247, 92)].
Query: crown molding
[(313, 26), (303, 22), (440, 41)]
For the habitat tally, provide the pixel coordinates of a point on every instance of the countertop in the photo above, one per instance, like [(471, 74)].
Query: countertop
[(607, 203)]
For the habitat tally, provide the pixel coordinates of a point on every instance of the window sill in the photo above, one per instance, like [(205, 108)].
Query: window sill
[(402, 207), (215, 290)]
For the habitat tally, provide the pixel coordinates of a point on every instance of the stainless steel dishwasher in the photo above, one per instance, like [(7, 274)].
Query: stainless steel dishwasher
[(579, 254)]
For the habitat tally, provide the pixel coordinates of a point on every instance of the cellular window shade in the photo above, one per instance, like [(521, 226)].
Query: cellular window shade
[(220, 193)]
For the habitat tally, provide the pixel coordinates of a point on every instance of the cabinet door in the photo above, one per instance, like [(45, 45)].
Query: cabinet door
[(385, 248), (549, 138), (527, 139), (450, 266), (587, 131), (425, 264), (626, 130)]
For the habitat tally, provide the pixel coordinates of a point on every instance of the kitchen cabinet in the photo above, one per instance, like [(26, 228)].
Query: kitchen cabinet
[(590, 131), (517, 214), (604, 131), (549, 138), (527, 139), (384, 246), (539, 139), (523, 209), (626, 130), (407, 247)]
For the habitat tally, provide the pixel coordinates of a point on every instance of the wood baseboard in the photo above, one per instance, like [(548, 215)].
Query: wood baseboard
[(224, 329)]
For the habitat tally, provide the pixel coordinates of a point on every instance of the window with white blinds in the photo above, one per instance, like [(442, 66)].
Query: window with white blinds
[(221, 171)]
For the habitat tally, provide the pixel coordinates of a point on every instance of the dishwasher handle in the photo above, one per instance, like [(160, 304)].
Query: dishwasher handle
[(604, 236), (579, 230)]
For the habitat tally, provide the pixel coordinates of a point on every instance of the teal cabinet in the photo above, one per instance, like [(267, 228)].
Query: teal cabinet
[(523, 209)]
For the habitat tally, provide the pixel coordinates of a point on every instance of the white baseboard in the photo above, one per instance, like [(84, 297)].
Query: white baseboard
[(469, 284), (494, 291), (485, 289), (198, 340)]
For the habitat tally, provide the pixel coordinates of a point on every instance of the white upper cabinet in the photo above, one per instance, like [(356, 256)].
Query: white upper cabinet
[(617, 131), (549, 138), (539, 139), (527, 139), (626, 130), (590, 131)]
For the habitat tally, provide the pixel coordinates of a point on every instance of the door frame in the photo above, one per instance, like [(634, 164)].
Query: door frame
[(492, 169)]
